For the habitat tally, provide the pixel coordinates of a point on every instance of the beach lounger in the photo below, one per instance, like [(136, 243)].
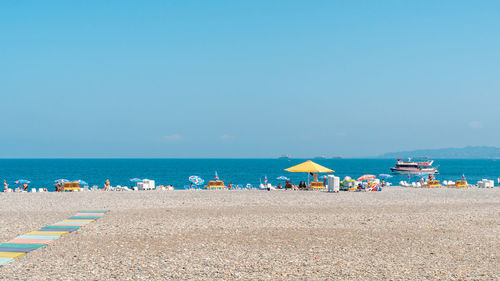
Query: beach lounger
[(315, 185), (71, 186), (215, 185)]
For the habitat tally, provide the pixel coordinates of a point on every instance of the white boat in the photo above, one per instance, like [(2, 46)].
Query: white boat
[(413, 167)]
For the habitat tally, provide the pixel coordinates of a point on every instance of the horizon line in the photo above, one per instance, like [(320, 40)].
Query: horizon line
[(224, 158)]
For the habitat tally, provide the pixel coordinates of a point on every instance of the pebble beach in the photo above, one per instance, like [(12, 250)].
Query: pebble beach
[(396, 234)]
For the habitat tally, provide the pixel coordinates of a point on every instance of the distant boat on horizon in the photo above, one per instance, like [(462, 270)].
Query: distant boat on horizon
[(285, 156)]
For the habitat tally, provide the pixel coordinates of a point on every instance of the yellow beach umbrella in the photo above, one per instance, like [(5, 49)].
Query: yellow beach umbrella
[(309, 167)]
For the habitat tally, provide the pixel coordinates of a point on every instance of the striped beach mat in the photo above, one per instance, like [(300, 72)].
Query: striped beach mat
[(23, 244)]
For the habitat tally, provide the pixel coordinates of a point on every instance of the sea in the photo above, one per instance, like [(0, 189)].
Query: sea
[(43, 172)]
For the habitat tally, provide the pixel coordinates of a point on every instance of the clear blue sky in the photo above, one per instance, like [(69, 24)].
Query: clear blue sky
[(247, 78)]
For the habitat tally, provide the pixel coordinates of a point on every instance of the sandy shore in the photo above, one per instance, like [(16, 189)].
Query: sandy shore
[(398, 234)]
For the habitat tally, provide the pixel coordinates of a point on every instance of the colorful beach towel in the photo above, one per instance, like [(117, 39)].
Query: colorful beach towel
[(33, 240)]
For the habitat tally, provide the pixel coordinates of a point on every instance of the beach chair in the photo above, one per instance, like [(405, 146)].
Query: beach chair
[(460, 183), (71, 186), (432, 183), (33, 190), (317, 185), (215, 185)]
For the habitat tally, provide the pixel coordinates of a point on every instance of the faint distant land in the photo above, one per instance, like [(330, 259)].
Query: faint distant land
[(285, 156), (468, 152), (324, 157)]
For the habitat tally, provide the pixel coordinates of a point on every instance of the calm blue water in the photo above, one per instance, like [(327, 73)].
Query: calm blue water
[(43, 172)]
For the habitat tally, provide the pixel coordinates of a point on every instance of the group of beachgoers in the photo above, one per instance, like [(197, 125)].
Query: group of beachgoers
[(346, 184), (60, 187), (23, 187)]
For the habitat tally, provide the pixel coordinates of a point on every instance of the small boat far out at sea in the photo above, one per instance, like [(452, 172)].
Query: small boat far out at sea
[(413, 167), (285, 156)]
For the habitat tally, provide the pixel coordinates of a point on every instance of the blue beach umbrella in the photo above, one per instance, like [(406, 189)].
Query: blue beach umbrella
[(283, 178), (196, 180), (22, 182), (81, 183), (61, 181), (135, 180), (323, 177)]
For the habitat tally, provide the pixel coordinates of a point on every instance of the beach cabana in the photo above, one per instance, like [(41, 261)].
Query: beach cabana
[(310, 167)]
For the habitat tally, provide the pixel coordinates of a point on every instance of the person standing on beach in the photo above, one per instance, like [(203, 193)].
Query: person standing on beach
[(107, 185), (5, 185)]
